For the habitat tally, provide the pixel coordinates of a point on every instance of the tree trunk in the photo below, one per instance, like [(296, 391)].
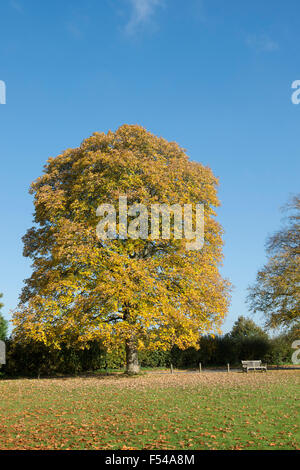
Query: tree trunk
[(132, 361)]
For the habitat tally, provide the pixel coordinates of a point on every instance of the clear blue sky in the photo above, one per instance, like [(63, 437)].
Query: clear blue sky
[(214, 75)]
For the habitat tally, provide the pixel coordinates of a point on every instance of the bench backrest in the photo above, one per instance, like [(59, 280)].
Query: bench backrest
[(251, 363)]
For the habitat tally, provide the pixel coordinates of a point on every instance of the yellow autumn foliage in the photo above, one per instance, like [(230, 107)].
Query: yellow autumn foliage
[(154, 291)]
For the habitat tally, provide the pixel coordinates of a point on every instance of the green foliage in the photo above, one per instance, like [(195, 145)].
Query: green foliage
[(156, 358), (280, 352), (3, 328), (245, 328), (3, 323), (35, 359), (276, 291)]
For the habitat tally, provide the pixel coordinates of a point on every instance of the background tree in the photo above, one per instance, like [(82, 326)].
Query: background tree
[(276, 292), (3, 323), (143, 293), (246, 328)]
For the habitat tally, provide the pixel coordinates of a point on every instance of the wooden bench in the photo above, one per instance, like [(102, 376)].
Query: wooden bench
[(253, 365)]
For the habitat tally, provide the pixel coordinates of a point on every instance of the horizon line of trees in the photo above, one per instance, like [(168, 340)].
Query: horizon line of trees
[(245, 341)]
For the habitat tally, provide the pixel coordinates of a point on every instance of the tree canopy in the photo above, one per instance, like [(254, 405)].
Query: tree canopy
[(246, 328), (276, 292), (144, 292)]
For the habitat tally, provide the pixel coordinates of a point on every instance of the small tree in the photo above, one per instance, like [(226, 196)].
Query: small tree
[(276, 292), (246, 328), (3, 324)]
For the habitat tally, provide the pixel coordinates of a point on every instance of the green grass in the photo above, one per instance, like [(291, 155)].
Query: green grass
[(138, 414)]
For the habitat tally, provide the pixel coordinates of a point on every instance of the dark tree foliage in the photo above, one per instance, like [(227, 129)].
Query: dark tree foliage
[(276, 292), (3, 324)]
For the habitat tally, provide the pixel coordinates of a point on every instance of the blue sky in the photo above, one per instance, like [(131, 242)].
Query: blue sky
[(214, 75)]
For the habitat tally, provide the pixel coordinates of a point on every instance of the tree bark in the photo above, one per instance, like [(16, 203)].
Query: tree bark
[(132, 361)]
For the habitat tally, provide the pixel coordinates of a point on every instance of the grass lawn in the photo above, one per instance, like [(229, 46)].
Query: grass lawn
[(211, 410)]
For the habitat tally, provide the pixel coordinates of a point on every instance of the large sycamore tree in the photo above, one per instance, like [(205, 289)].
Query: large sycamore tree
[(276, 291), (141, 293)]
